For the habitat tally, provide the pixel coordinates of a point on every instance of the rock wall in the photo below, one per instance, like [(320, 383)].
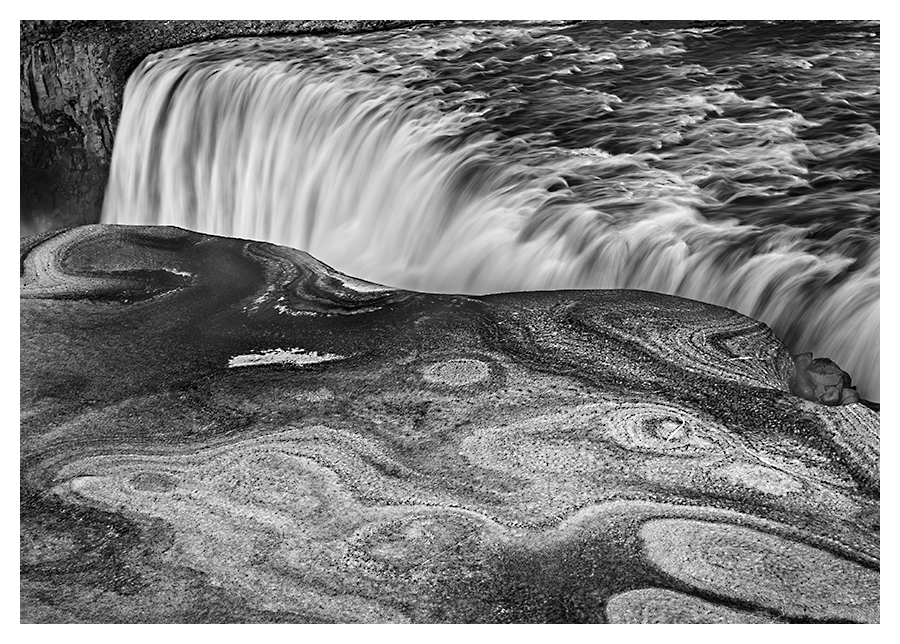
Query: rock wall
[(67, 107), (72, 77)]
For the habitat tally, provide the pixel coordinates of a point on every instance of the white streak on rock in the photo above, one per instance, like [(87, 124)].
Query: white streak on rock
[(361, 286), (281, 308), (177, 272), (286, 356)]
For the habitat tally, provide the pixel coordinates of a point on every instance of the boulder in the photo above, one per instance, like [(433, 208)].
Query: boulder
[(822, 381), (219, 430)]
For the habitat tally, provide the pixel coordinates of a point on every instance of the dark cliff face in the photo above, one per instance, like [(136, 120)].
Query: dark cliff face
[(68, 111), (72, 77)]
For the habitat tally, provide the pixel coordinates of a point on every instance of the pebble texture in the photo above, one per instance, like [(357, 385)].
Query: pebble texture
[(217, 430)]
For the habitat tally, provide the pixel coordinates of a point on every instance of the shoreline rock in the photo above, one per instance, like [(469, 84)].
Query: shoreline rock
[(220, 430), (822, 381)]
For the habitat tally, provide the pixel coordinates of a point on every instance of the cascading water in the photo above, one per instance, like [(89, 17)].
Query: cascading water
[(482, 158)]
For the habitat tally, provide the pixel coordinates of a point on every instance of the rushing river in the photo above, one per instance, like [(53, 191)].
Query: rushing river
[(738, 164)]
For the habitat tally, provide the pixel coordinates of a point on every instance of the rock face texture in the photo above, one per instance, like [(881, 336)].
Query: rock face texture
[(68, 107), (72, 78), (218, 430)]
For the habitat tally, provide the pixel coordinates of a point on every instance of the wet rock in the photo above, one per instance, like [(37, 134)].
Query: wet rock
[(822, 381), (221, 430)]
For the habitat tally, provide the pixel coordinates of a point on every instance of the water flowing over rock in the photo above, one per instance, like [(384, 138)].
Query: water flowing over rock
[(222, 430), (735, 165), (72, 75)]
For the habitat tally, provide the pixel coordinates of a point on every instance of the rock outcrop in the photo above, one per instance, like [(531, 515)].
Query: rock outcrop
[(822, 381), (72, 78), (220, 430)]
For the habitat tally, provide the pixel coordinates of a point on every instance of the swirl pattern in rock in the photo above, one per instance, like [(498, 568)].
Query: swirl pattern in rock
[(218, 430)]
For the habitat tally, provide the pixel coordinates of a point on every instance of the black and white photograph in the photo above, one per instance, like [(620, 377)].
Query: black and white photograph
[(485, 321)]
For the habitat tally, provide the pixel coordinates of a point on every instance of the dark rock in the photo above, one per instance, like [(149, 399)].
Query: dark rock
[(822, 381)]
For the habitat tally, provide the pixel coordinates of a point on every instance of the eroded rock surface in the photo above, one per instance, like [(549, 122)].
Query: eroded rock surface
[(219, 430)]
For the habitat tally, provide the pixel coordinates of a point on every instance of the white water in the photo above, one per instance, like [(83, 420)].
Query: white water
[(383, 185)]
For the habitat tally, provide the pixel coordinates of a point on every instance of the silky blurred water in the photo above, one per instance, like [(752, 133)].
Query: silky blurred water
[(736, 164)]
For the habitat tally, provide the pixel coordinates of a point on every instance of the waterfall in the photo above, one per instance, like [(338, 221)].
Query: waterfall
[(392, 185)]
